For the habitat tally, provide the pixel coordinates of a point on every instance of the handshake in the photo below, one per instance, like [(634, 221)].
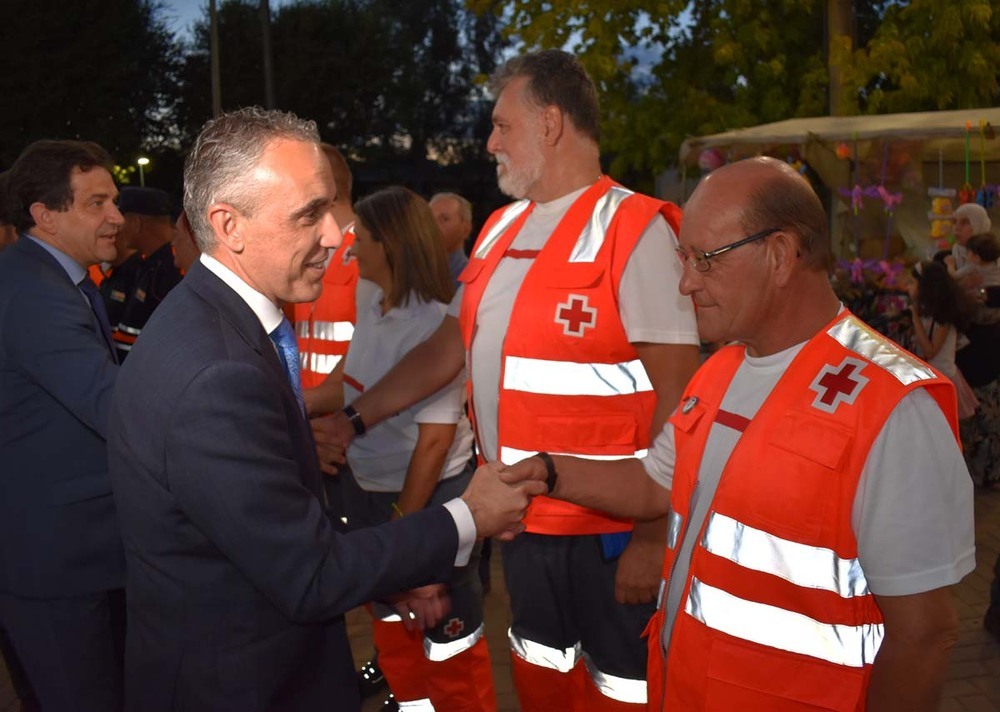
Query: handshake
[(498, 495)]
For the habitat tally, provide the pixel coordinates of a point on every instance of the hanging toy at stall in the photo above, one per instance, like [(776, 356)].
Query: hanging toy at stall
[(856, 194), (986, 192), (967, 194), (889, 202), (941, 207), (710, 159)]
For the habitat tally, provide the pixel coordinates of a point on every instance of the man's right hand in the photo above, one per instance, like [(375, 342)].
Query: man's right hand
[(498, 508)]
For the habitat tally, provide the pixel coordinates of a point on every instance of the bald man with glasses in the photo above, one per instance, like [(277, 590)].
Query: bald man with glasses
[(819, 507)]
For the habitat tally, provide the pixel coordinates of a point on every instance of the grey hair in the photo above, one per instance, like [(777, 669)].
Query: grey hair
[(464, 206), (220, 165)]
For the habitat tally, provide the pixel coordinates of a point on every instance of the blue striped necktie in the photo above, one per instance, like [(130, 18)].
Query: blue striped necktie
[(288, 351)]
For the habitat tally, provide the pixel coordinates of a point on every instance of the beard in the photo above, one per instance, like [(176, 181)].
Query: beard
[(518, 182)]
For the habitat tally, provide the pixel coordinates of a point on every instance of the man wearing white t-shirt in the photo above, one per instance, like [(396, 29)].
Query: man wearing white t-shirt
[(578, 342), (820, 509)]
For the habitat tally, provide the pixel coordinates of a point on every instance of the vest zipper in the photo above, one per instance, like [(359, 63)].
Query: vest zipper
[(692, 503)]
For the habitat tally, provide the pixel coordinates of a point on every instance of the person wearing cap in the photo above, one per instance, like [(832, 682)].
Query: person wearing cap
[(149, 228), (119, 277)]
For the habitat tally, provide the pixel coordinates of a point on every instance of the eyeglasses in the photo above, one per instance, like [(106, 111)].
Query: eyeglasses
[(702, 260)]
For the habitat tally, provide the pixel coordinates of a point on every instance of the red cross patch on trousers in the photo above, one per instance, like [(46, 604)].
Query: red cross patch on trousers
[(454, 627), (838, 384), (576, 315)]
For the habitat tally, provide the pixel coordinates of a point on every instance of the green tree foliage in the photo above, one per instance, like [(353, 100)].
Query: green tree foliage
[(100, 70), (670, 69), (383, 78), (926, 55)]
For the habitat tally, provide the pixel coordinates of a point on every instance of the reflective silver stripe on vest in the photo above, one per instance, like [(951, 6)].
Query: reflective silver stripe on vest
[(854, 646), (510, 214), (568, 378), (675, 523), (423, 705), (436, 652), (318, 363), (543, 655), (801, 564), (592, 237), (328, 330), (623, 689), (512, 456), (131, 330), (856, 336)]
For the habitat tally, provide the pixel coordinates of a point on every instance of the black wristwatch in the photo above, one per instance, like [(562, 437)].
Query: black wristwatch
[(550, 468), (355, 418)]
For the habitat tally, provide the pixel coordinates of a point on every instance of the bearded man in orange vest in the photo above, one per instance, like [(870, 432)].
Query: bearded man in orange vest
[(820, 508), (578, 342)]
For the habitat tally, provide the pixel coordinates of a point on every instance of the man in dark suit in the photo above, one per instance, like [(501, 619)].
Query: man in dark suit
[(237, 579), (61, 563)]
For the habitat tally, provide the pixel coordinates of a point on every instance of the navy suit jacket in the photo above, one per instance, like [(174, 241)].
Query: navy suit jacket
[(237, 580), (58, 528)]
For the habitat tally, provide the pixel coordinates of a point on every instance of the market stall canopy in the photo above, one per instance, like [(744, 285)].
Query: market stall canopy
[(906, 154), (937, 130)]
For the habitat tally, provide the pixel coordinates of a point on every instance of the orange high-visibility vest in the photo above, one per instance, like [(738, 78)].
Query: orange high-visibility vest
[(324, 328), (571, 383), (775, 612)]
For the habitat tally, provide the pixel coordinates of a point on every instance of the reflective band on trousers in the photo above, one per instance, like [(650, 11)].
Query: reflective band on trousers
[(512, 456), (801, 564), (318, 363), (592, 236), (327, 330), (854, 335), (542, 655), (622, 689), (854, 646), (436, 652), (500, 227), (423, 705), (674, 524), (569, 378)]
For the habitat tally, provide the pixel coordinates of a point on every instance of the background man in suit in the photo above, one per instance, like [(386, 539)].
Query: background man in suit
[(61, 564), (237, 578)]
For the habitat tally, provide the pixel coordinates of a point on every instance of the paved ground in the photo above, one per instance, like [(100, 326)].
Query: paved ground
[(974, 677)]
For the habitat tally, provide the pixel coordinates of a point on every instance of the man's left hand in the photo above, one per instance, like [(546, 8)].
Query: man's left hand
[(424, 607), (330, 448), (639, 569)]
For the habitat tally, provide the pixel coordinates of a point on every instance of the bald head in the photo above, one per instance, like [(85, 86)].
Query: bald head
[(769, 193)]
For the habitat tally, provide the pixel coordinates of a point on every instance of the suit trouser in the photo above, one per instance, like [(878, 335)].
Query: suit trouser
[(573, 646), (72, 648)]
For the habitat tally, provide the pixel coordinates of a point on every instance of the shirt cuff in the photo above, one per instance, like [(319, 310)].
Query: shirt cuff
[(466, 526)]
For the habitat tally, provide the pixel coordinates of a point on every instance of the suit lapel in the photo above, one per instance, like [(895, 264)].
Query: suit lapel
[(241, 317)]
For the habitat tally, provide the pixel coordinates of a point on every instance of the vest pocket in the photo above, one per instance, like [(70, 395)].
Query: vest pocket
[(607, 434), (818, 440), (756, 679), (575, 274), (471, 271)]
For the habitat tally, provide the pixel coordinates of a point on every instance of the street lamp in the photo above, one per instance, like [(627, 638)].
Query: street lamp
[(143, 162)]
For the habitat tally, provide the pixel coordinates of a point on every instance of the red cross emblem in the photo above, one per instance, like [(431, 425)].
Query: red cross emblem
[(838, 384), (453, 627), (576, 315)]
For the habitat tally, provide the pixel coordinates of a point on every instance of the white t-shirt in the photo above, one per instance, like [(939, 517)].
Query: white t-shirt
[(944, 359), (651, 306), (380, 459), (912, 512)]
